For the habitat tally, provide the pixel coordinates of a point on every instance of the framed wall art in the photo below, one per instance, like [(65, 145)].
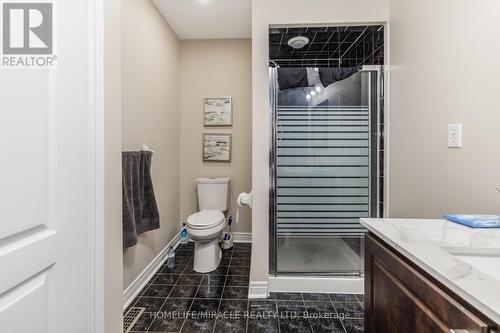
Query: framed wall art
[(216, 147), (218, 111)]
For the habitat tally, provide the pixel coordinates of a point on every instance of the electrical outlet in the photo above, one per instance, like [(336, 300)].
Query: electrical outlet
[(455, 135)]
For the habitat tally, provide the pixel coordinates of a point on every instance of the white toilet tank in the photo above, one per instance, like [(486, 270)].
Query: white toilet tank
[(212, 193)]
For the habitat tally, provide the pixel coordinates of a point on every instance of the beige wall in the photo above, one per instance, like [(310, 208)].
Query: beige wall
[(215, 68), (443, 68), (264, 13), (150, 69)]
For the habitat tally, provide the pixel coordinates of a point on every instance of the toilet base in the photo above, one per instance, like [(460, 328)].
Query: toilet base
[(207, 256)]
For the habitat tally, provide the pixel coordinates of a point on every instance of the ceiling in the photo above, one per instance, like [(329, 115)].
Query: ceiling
[(207, 19), (346, 46)]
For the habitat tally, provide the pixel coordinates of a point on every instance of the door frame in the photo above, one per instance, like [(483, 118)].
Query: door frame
[(106, 283)]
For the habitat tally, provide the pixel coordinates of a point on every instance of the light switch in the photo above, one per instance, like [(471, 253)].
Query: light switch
[(455, 135)]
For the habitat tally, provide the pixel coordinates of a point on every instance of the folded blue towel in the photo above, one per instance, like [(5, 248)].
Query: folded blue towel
[(476, 221)]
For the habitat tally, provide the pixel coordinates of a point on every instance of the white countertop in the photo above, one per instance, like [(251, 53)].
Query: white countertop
[(429, 244)]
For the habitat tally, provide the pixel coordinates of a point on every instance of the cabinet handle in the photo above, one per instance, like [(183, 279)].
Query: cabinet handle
[(458, 331)]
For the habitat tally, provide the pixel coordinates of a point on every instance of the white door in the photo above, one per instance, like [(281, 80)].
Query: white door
[(46, 173)]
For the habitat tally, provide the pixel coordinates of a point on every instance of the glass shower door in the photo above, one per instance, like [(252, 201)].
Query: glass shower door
[(324, 169)]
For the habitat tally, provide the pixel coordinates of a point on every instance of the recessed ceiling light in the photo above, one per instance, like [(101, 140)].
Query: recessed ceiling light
[(298, 42)]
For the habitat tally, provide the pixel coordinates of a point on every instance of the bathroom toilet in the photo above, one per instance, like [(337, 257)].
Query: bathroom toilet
[(205, 226)]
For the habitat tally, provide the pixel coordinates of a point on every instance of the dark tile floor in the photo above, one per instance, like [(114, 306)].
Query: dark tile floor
[(182, 300)]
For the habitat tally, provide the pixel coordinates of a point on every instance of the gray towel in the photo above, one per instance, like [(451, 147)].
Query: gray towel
[(292, 78), (330, 75), (297, 77), (313, 76), (140, 212)]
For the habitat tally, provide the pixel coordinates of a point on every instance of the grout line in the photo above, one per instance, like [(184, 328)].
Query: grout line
[(248, 314), (343, 326), (162, 304), (336, 311), (362, 303), (247, 319), (279, 315), (224, 285), (305, 309), (194, 297), (170, 292)]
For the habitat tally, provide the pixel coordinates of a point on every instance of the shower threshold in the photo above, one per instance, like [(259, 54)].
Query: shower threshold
[(317, 284), (318, 256)]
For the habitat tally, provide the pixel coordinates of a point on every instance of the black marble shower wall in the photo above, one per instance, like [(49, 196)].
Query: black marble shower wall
[(346, 46)]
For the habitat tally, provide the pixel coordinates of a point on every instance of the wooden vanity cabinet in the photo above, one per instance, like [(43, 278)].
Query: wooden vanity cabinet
[(401, 298)]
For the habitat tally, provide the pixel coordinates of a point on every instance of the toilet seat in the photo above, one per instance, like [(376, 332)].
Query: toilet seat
[(206, 219)]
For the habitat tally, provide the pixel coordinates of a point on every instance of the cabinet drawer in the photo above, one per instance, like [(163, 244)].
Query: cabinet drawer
[(401, 299)]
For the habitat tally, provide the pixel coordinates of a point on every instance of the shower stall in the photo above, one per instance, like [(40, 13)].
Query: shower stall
[(327, 156)]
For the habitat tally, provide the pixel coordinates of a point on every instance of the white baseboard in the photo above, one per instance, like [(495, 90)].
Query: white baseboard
[(140, 281), (258, 289), (306, 284), (242, 237)]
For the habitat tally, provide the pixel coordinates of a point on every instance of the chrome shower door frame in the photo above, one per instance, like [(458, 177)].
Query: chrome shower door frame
[(375, 203), (273, 104)]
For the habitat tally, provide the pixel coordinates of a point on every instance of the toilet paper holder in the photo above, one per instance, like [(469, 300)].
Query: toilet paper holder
[(244, 199)]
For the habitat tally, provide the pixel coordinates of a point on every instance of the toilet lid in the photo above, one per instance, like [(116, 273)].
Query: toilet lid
[(205, 218)]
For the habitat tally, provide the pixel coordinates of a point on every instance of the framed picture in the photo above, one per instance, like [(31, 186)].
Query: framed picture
[(216, 147), (218, 111)]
